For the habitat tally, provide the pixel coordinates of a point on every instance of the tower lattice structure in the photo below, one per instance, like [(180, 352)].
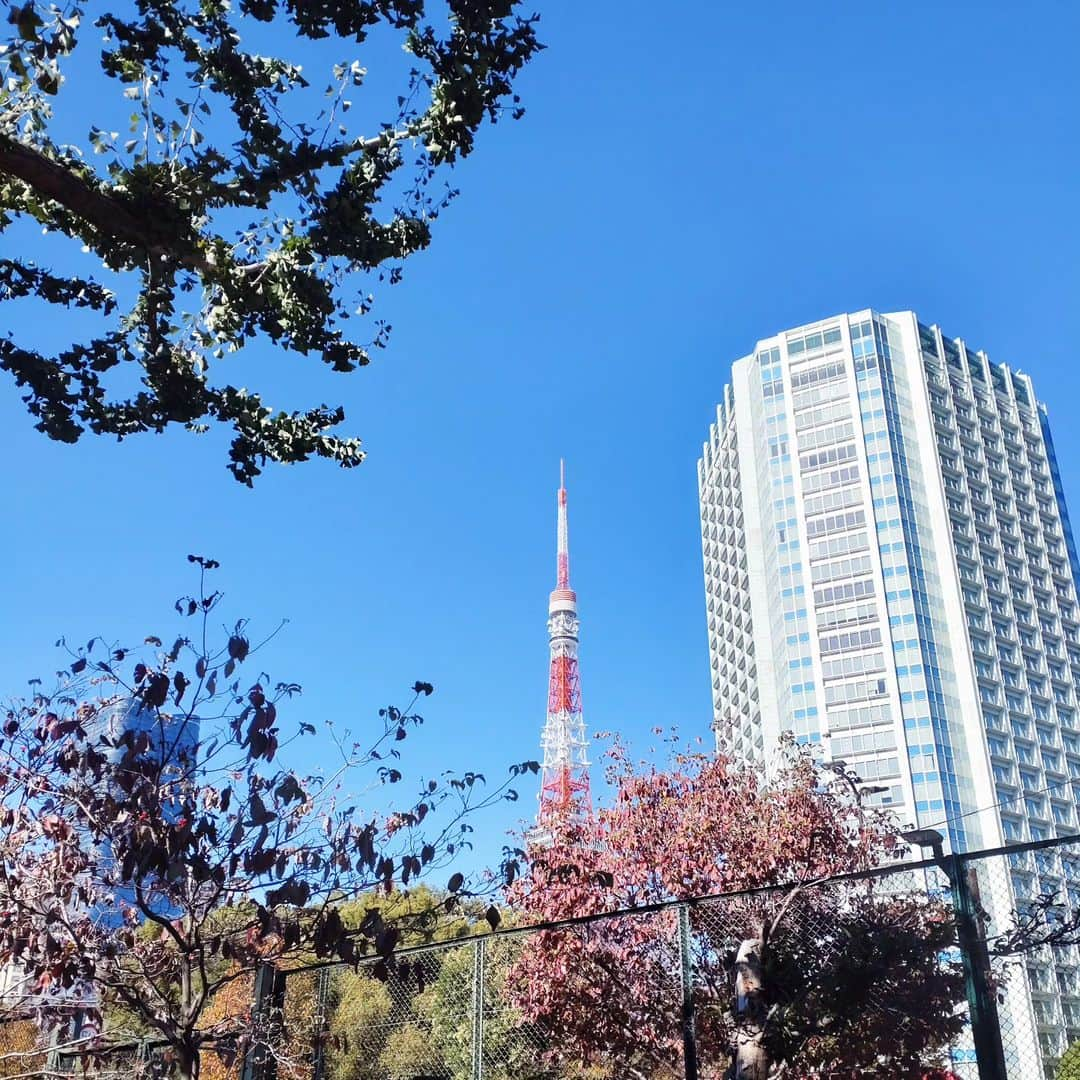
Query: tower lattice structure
[(565, 784)]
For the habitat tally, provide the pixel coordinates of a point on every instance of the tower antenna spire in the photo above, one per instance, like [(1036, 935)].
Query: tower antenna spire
[(564, 786)]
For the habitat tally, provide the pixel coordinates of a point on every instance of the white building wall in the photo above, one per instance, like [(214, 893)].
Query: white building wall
[(909, 600)]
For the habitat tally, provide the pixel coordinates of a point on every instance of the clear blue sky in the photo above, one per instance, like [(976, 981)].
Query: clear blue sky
[(683, 184)]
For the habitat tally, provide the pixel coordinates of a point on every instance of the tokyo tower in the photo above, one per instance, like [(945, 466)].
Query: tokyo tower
[(565, 785)]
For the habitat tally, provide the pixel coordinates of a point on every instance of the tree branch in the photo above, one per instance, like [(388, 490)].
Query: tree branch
[(110, 216), (59, 184)]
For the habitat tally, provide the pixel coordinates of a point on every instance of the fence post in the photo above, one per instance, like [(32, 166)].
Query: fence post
[(322, 1007), (55, 1060), (259, 1062), (54, 1063), (479, 964), (982, 1005), (686, 978)]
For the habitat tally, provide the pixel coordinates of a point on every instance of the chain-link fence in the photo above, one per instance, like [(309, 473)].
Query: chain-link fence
[(446, 1011), (965, 966), (1028, 901)]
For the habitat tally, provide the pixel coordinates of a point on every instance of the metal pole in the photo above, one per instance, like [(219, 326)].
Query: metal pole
[(479, 962), (322, 1008), (53, 1061), (985, 1026), (686, 977), (259, 1063)]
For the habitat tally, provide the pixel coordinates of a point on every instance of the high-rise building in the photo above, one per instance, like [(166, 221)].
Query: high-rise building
[(171, 738), (890, 575), (118, 730)]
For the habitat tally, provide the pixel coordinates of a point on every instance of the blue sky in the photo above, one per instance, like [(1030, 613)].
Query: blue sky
[(682, 185)]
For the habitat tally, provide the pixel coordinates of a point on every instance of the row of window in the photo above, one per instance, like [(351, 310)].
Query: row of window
[(833, 523), (862, 717), (848, 642), (878, 769), (831, 618), (851, 590), (868, 743), (844, 666), (821, 481), (842, 568), (834, 455), (862, 690), (812, 342), (819, 395), (833, 500), (810, 376), (812, 440), (839, 545)]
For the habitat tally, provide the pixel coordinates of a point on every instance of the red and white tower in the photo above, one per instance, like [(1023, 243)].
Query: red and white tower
[(565, 785)]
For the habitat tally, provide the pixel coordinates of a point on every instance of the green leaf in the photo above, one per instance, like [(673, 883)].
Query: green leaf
[(26, 20), (48, 82)]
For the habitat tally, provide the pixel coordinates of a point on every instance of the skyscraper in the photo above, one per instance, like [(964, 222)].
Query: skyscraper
[(116, 731), (891, 575)]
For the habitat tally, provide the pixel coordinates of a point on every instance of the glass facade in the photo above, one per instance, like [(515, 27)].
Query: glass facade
[(907, 597)]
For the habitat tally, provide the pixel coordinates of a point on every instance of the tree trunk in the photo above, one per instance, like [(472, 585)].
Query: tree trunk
[(187, 1062), (750, 1059), (188, 1050)]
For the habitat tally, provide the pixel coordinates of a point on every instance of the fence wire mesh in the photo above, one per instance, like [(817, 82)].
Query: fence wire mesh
[(415, 1022), (875, 976), (838, 979), (963, 969), (1029, 904)]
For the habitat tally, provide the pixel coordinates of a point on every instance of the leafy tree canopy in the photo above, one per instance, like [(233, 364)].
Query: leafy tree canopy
[(803, 976), (228, 197), (1069, 1065), (157, 846)]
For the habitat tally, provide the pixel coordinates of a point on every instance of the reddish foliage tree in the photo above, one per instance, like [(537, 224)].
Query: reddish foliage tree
[(156, 846), (804, 975)]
